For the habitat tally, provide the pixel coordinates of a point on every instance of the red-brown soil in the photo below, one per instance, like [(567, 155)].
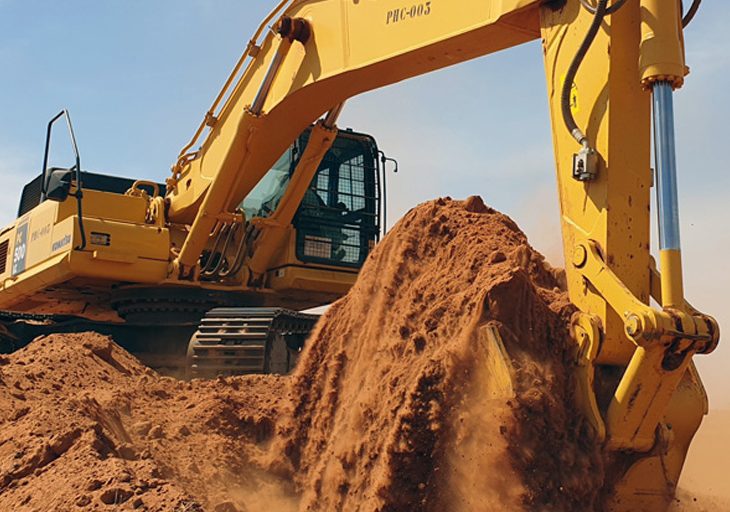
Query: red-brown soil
[(392, 400), (392, 406), (86, 426)]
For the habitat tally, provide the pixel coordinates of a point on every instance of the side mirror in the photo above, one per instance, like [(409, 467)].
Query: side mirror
[(58, 183)]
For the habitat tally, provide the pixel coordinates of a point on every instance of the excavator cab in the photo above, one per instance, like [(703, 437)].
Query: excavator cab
[(338, 220), (336, 225)]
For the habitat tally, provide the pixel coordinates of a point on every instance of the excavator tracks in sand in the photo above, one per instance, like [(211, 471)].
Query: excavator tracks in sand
[(225, 341)]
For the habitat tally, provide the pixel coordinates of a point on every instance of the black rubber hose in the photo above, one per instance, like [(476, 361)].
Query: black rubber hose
[(80, 212), (691, 13), (600, 14), (686, 20), (609, 10)]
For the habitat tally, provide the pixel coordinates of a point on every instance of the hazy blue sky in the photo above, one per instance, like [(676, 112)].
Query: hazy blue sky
[(138, 75)]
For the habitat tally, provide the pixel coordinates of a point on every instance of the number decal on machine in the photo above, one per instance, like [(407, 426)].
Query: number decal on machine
[(408, 13), (20, 249)]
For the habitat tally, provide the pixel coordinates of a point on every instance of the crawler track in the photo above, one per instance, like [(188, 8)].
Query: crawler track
[(239, 341)]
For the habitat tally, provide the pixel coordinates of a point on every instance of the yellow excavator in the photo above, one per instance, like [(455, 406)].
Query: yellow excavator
[(84, 249), (90, 252)]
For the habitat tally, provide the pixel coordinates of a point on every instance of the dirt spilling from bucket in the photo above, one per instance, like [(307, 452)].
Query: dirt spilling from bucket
[(396, 405)]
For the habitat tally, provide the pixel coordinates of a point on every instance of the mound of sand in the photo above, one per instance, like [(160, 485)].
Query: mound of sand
[(392, 406), (86, 426), (393, 409)]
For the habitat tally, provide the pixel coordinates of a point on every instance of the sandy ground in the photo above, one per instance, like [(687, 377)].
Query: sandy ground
[(392, 408), (705, 483), (395, 406)]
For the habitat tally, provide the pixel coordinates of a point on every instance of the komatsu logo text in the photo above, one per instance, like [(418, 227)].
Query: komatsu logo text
[(59, 244)]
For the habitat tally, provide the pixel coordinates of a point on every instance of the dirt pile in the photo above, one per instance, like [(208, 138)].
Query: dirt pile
[(84, 426), (394, 407)]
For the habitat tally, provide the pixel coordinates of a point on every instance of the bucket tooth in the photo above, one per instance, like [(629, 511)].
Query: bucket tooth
[(499, 366)]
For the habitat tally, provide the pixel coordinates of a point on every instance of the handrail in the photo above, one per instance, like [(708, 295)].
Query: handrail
[(49, 130), (211, 116), (79, 192)]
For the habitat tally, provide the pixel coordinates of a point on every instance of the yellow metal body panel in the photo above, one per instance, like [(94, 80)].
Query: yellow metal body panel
[(43, 237), (612, 212), (124, 252), (311, 279), (107, 206), (122, 248), (114, 225)]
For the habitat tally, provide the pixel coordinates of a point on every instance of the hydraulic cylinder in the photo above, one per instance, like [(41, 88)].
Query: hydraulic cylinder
[(662, 69), (662, 44), (670, 255)]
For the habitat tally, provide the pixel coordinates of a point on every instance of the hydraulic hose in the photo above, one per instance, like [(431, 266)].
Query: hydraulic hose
[(609, 10), (687, 19), (601, 10)]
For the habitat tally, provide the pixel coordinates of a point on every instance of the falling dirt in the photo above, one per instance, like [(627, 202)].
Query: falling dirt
[(393, 406)]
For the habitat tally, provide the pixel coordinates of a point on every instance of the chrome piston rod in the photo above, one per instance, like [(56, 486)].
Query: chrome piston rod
[(667, 197), (666, 167)]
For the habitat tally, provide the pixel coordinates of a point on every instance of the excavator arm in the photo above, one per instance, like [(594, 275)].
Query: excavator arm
[(610, 68), (296, 75)]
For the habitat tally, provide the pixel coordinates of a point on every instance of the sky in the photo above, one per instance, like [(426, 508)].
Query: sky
[(138, 75)]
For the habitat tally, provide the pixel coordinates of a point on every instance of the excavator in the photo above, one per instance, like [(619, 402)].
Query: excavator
[(90, 252), (203, 242)]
